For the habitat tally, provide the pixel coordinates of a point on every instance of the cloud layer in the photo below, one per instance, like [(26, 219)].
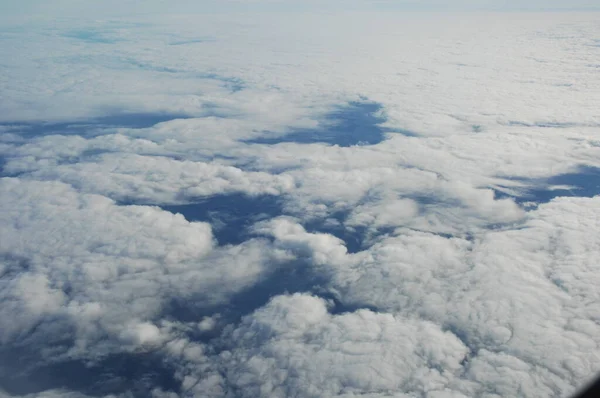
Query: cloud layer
[(453, 255)]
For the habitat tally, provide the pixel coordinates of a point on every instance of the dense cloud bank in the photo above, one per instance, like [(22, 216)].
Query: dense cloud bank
[(452, 252)]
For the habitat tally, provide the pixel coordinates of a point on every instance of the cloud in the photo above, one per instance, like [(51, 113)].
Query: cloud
[(71, 260), (407, 267), (293, 346), (291, 236), (124, 177), (509, 295)]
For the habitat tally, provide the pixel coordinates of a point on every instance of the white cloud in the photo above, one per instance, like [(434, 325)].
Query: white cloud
[(291, 236), (74, 260), (294, 347), (524, 299), (465, 294), (382, 214), (160, 179)]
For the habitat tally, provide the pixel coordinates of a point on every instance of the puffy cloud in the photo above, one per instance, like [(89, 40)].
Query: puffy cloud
[(291, 236), (149, 174), (294, 347), (71, 261), (384, 213), (151, 179), (457, 291), (522, 300)]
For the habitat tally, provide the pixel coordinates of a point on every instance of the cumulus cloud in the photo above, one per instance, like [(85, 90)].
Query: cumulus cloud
[(71, 261), (509, 295), (153, 179), (323, 248), (294, 347), (457, 288)]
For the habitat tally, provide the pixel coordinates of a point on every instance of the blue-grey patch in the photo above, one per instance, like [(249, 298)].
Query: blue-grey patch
[(91, 36), (234, 84), (467, 340), (355, 238), (230, 215), (150, 67), (293, 277), (357, 123), (190, 41), (90, 127), (585, 182), (137, 374), (296, 276), (542, 124), (23, 369), (120, 63)]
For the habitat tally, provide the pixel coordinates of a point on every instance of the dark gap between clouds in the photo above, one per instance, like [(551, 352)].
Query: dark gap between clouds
[(232, 216), (24, 369), (356, 123), (234, 84), (139, 373), (134, 373), (554, 125), (91, 36), (585, 182), (293, 277), (191, 41), (91, 127), (353, 124)]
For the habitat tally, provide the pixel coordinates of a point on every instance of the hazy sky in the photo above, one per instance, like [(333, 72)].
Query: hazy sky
[(114, 7)]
